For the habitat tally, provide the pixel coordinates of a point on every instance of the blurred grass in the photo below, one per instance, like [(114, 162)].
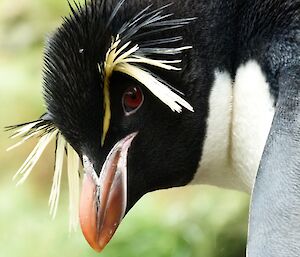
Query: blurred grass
[(190, 222)]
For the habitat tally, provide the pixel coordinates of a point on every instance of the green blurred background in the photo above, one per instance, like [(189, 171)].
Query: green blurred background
[(194, 221)]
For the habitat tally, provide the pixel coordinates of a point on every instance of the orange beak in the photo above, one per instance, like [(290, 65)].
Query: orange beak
[(103, 199)]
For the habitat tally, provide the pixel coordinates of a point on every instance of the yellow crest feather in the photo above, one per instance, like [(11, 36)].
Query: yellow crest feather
[(123, 60)]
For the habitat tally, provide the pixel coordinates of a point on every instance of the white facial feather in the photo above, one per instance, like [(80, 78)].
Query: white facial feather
[(59, 161), (34, 156), (73, 178), (46, 134)]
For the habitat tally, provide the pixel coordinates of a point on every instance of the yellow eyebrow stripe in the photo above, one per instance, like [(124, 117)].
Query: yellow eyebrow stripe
[(107, 111), (123, 59)]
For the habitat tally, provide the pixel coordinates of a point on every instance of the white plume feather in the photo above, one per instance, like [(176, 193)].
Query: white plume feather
[(46, 134)]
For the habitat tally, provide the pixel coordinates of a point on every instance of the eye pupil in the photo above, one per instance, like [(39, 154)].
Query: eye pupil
[(132, 99), (132, 95)]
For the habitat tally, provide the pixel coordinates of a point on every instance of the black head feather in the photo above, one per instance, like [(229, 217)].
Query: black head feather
[(73, 83), (165, 152)]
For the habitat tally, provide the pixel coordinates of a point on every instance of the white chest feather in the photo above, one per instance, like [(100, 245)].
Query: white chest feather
[(240, 117)]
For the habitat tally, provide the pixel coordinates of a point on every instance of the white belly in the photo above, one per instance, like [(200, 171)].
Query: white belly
[(240, 117)]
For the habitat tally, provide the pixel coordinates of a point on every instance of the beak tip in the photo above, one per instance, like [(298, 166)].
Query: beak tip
[(100, 244), (98, 248)]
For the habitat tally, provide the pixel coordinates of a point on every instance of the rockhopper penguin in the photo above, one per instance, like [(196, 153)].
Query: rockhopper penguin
[(152, 94)]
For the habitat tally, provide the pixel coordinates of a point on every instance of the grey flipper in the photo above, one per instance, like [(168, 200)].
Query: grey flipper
[(274, 228)]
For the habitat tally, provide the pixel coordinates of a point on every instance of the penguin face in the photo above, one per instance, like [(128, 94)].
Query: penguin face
[(147, 145), (112, 92)]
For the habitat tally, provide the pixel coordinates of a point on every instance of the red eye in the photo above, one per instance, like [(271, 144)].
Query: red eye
[(132, 99)]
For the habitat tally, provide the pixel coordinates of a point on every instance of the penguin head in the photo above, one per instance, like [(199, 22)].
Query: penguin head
[(116, 93)]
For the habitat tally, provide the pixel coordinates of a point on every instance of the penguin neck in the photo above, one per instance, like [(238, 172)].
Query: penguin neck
[(239, 118)]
